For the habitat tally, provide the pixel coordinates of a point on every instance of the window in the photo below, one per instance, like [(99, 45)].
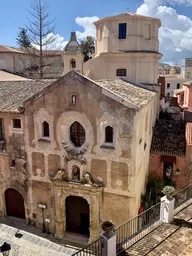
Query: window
[(73, 99), (121, 72), (13, 164), (108, 134), (73, 64), (122, 30), (188, 74), (2, 137), (45, 129), (77, 134), (145, 145), (148, 31), (17, 123), (168, 85), (178, 85)]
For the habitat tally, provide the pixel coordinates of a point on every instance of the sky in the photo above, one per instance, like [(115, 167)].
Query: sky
[(175, 34)]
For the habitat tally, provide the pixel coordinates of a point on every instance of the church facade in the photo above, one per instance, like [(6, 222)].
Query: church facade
[(75, 151)]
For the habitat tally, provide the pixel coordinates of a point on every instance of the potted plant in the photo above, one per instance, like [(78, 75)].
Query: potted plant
[(108, 228), (168, 191)]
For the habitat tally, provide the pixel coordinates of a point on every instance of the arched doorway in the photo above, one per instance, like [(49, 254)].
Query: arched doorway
[(14, 203), (77, 215)]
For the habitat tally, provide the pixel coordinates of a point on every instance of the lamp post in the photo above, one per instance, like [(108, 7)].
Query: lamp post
[(5, 249), (43, 207)]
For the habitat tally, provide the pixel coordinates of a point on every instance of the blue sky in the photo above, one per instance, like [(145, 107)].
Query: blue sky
[(176, 16), (65, 12)]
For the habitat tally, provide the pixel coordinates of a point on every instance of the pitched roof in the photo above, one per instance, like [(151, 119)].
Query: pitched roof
[(6, 76), (130, 93), (169, 138), (13, 93), (4, 48)]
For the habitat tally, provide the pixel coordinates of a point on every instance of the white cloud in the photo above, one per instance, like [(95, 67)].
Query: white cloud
[(175, 34), (58, 42), (88, 26), (88, 30)]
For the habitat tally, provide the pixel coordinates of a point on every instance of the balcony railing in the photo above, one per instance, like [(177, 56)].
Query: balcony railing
[(181, 197), (137, 227), (93, 249)]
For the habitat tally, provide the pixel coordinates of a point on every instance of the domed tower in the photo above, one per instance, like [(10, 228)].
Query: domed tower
[(73, 58)]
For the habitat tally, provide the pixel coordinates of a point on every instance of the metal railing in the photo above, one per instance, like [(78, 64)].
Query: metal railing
[(182, 196), (136, 227), (93, 249)]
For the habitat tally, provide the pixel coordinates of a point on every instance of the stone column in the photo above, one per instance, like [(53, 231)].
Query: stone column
[(94, 218), (59, 221)]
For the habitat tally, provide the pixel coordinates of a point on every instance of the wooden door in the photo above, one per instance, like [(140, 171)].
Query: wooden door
[(77, 215), (14, 203)]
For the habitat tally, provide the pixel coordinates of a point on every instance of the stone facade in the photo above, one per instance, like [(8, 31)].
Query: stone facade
[(111, 179)]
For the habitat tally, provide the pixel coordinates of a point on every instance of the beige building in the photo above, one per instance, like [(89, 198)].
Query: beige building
[(127, 46), (81, 143), (74, 144), (173, 83), (188, 69), (26, 62)]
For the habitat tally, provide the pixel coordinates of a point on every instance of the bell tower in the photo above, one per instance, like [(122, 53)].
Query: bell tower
[(73, 58)]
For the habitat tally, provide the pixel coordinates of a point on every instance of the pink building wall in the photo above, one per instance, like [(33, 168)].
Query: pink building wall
[(182, 163)]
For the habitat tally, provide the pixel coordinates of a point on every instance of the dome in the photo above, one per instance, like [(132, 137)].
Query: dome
[(73, 45)]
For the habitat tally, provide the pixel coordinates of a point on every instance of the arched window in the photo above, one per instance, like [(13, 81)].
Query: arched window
[(109, 134), (121, 72), (73, 64), (77, 134), (45, 129)]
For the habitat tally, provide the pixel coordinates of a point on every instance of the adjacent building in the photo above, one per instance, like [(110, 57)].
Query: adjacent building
[(25, 62)]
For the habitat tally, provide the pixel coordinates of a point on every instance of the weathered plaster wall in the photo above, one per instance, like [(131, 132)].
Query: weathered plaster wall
[(16, 177), (94, 111)]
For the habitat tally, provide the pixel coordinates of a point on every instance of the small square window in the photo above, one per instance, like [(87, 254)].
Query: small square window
[(17, 123), (121, 72), (178, 85), (73, 99), (13, 164), (168, 85)]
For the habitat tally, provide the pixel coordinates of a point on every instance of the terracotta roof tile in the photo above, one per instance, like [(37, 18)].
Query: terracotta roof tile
[(14, 93), (169, 138), (131, 93)]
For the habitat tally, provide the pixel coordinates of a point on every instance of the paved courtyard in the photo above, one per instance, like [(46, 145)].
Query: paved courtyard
[(30, 244), (168, 239)]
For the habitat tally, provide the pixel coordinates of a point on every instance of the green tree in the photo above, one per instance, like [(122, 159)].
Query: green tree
[(88, 47), (23, 38)]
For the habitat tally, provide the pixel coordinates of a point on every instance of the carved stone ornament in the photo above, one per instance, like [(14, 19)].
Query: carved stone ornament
[(61, 174), (74, 152), (108, 228), (92, 180)]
